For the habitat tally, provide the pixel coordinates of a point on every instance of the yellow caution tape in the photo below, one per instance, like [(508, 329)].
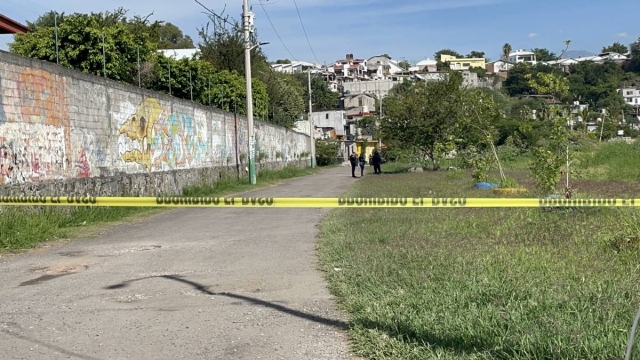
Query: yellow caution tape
[(400, 202)]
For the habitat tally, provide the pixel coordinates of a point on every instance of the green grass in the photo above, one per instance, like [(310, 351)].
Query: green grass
[(611, 161), (24, 228), (481, 283)]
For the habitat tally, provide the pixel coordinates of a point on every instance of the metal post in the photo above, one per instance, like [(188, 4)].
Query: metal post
[(247, 71), (311, 132), (55, 24), (169, 77), (604, 115), (139, 82), (104, 57), (191, 84)]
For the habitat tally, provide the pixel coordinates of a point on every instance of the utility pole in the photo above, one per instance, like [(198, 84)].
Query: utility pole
[(604, 115), (247, 71), (311, 132)]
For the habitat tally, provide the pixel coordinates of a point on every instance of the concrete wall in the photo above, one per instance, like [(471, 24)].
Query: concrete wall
[(60, 128)]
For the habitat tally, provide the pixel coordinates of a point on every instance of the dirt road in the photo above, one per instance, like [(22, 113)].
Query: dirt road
[(185, 284)]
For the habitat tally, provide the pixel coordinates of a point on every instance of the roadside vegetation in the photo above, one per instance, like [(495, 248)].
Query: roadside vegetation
[(24, 228), (487, 283), (467, 283)]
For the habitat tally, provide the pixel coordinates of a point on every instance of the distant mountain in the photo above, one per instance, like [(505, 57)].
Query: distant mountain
[(577, 54)]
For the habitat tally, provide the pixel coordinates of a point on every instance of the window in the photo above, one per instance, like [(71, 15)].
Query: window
[(326, 116), (466, 64), (359, 101), (630, 92)]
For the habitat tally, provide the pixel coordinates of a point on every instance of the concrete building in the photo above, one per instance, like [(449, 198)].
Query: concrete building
[(379, 88), (382, 66), (499, 66), (463, 63), (631, 96), (427, 65), (520, 56)]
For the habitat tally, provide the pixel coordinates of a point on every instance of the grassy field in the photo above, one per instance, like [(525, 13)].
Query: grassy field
[(485, 283), (22, 228)]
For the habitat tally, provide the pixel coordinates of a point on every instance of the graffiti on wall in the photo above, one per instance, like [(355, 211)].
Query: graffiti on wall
[(34, 129), (159, 140)]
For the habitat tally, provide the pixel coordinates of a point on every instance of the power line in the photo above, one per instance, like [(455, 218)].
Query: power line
[(305, 31), (276, 31)]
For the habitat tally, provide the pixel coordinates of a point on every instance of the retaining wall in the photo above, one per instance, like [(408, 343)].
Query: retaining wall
[(63, 132)]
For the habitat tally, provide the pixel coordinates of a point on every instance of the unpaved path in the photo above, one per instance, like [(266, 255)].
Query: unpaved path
[(185, 284)]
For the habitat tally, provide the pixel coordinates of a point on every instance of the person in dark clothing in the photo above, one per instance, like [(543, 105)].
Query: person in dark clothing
[(377, 161), (353, 159), (362, 161)]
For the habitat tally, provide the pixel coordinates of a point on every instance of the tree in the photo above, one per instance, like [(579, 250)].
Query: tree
[(635, 50), (506, 50), (446, 52), (425, 117), (476, 55), (286, 99), (80, 43), (616, 47), (171, 37), (549, 84), (404, 65), (224, 47), (283, 61), (544, 54)]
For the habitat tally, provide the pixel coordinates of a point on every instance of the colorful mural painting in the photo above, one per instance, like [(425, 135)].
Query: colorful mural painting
[(55, 127), (164, 141)]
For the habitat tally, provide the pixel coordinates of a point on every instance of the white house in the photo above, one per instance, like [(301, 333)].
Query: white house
[(499, 66), (520, 56), (388, 66), (613, 56), (631, 96), (427, 65)]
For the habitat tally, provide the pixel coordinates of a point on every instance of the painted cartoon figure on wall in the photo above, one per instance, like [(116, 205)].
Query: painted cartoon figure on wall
[(140, 129)]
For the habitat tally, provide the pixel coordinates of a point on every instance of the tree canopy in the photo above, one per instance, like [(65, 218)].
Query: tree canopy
[(217, 75)]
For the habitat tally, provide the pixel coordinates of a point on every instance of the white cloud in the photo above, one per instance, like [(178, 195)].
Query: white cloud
[(533, 35), (622, 35)]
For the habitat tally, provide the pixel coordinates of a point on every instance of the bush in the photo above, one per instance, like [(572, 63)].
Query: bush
[(327, 152)]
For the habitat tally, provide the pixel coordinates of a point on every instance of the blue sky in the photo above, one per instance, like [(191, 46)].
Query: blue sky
[(409, 29)]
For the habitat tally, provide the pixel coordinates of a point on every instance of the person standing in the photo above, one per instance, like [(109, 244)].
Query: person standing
[(362, 161), (353, 159), (377, 161)]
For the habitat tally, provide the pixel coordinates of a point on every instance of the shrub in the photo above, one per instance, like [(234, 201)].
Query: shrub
[(327, 152)]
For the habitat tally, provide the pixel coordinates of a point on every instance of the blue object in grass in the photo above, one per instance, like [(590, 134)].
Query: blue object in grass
[(486, 185)]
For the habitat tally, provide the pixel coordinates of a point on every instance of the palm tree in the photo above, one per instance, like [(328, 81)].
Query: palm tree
[(506, 50)]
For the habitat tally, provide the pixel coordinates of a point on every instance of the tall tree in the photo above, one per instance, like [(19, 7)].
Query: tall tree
[(616, 47), (425, 117), (635, 50), (543, 54), (404, 65), (171, 37), (224, 47), (506, 50)]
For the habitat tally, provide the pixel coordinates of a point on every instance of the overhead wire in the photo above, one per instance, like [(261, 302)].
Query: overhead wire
[(276, 31), (305, 31)]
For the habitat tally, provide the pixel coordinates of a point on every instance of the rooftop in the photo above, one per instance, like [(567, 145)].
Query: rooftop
[(10, 26)]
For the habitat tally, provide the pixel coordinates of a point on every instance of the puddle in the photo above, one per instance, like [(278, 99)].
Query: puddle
[(43, 278)]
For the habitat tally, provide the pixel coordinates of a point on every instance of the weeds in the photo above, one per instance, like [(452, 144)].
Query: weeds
[(481, 283)]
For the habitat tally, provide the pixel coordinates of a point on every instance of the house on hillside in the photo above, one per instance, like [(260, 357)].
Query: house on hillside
[(631, 96), (463, 63), (522, 56), (381, 66), (359, 104), (427, 65), (499, 67)]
